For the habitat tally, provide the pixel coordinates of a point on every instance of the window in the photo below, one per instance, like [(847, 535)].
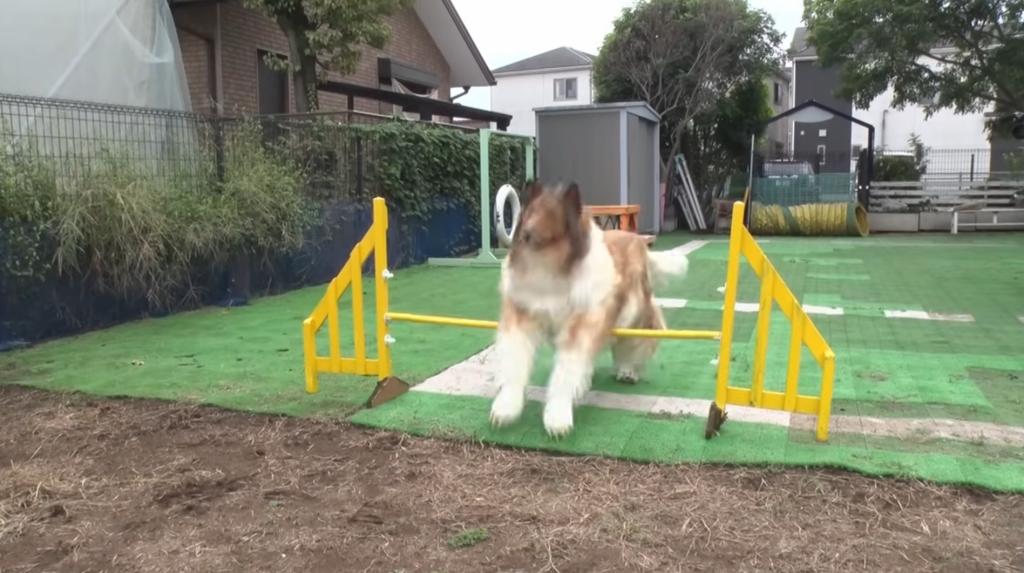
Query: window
[(822, 133), (565, 89), (272, 95), (821, 155), (778, 93)]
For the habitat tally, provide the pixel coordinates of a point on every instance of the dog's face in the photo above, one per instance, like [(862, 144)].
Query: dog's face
[(552, 230)]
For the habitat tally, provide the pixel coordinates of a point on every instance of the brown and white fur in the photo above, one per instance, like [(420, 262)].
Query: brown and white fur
[(568, 282)]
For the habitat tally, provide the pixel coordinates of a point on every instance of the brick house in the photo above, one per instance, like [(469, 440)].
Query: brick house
[(429, 51)]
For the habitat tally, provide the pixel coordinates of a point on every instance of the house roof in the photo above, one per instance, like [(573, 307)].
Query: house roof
[(559, 58), (799, 47), (449, 32), (640, 108)]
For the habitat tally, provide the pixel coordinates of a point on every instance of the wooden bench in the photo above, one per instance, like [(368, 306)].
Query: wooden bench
[(615, 216), (943, 194), (993, 224)]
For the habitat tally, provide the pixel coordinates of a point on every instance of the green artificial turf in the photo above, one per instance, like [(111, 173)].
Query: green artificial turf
[(647, 438), (250, 358)]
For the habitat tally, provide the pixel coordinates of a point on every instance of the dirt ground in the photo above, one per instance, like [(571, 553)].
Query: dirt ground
[(127, 485)]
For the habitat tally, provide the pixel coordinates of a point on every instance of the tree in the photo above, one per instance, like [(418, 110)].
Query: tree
[(717, 144), (684, 57), (960, 54), (326, 35)]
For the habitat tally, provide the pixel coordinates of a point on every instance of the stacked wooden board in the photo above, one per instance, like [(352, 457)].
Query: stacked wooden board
[(686, 195)]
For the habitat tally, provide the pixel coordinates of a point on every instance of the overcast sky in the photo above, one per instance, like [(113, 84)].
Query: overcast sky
[(509, 31)]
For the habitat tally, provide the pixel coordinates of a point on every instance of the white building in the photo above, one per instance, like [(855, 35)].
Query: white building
[(562, 76)]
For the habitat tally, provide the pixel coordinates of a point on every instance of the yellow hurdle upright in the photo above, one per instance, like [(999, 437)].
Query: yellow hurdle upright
[(803, 333), (374, 242), (741, 245)]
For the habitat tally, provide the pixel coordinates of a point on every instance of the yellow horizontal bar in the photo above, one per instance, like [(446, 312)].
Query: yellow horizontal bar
[(623, 332), (668, 334), (773, 400), (443, 320), (348, 366)]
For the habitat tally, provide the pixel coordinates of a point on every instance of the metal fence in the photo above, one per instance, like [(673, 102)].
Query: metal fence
[(965, 164), (962, 164), (77, 139)]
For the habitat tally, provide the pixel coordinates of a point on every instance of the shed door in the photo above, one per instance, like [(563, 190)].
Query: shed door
[(642, 176)]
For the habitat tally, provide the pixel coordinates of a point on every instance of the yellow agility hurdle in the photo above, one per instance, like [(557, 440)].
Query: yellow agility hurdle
[(741, 244)]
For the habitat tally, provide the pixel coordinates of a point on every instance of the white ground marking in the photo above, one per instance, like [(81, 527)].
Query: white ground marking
[(924, 315), (685, 249), (689, 247), (839, 311), (826, 310), (475, 377)]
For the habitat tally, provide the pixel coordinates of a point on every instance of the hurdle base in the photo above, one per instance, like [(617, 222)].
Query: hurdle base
[(716, 417), (387, 389)]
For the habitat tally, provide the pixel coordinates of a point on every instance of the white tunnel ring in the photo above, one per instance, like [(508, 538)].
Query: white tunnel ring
[(505, 194)]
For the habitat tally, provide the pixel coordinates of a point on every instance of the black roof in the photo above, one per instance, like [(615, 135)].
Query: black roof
[(563, 57), (799, 48)]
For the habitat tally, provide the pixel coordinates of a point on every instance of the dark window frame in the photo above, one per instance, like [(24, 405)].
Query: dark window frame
[(262, 106)]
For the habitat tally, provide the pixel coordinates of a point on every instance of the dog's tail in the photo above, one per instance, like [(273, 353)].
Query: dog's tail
[(664, 264)]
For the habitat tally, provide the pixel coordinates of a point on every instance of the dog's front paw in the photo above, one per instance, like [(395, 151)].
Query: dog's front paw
[(507, 406), (558, 418), (627, 376)]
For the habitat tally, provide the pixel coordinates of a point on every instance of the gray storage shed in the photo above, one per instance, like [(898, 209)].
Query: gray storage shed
[(610, 149)]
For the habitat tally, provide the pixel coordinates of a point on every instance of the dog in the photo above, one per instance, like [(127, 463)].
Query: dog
[(568, 282)]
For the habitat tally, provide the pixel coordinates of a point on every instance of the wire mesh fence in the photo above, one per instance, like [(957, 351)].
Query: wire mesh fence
[(340, 154), (965, 164), (75, 138)]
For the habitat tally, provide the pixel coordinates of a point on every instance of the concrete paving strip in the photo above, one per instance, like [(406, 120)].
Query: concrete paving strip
[(475, 377)]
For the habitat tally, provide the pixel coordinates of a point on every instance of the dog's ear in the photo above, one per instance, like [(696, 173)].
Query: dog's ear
[(572, 199), (578, 236), (532, 190)]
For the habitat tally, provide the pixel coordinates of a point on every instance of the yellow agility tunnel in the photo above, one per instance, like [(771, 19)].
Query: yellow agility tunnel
[(741, 245)]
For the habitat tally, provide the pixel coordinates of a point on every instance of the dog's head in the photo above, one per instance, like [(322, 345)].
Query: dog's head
[(552, 229)]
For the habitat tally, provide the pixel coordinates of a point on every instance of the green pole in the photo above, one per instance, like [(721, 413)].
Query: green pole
[(488, 256), (485, 191), (529, 159)]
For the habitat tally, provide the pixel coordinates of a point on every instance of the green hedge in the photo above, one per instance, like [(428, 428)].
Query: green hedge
[(896, 168), (114, 226)]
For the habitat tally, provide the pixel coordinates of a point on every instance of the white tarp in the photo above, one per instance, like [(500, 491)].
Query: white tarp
[(103, 51)]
